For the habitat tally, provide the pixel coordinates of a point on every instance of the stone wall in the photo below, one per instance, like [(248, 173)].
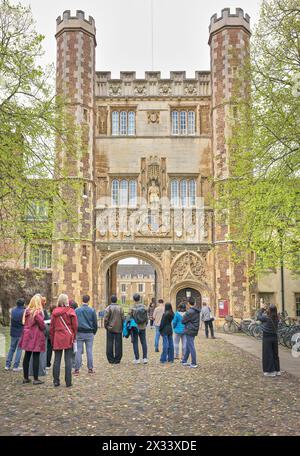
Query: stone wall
[(22, 283)]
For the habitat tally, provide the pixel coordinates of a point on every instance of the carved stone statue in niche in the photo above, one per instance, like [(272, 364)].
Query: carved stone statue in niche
[(153, 194)]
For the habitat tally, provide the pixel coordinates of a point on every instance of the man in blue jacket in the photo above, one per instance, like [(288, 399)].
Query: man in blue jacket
[(87, 328), (16, 330)]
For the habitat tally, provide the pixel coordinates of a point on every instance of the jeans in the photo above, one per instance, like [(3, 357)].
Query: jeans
[(135, 340), (190, 349), (168, 349), (177, 339), (36, 362), (68, 365), (88, 339), (209, 324), (114, 350), (270, 358), (14, 346), (157, 336)]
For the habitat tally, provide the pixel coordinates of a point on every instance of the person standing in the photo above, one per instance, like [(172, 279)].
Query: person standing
[(63, 328), (191, 321), (49, 346), (43, 355), (206, 316), (178, 328), (113, 323), (16, 330), (270, 356), (166, 332), (157, 316), (33, 339), (139, 313), (74, 306), (87, 328), (151, 309)]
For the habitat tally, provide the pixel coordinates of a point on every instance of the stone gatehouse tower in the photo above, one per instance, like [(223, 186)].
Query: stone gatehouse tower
[(152, 147)]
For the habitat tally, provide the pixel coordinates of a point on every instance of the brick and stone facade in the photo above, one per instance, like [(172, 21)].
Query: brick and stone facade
[(152, 154), (140, 171)]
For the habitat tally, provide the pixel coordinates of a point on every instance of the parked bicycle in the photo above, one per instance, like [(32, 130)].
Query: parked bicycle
[(232, 326), (287, 328)]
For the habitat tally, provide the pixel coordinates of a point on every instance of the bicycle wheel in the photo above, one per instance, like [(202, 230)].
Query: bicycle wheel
[(257, 332), (229, 327), (225, 327)]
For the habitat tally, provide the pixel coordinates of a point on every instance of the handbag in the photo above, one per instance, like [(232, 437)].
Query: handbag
[(70, 332)]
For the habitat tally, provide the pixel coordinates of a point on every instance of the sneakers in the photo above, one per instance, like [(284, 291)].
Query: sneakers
[(76, 372), (37, 382), (193, 366), (56, 384), (270, 374), (26, 380), (136, 361), (185, 363), (278, 373), (176, 357), (17, 369), (145, 361), (7, 368), (91, 371)]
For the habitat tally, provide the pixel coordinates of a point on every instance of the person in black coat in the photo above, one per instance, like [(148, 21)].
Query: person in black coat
[(270, 357), (191, 321), (166, 331)]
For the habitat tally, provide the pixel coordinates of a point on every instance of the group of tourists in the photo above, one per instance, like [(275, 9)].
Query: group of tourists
[(71, 327), (68, 330)]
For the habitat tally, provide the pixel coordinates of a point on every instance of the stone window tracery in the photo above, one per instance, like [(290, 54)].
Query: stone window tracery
[(183, 192), (123, 123), (124, 192), (183, 122)]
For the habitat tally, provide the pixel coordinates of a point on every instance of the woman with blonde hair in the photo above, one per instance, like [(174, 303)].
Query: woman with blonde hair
[(33, 338), (63, 329)]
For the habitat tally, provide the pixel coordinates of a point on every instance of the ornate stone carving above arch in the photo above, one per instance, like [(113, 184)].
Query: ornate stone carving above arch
[(189, 266)]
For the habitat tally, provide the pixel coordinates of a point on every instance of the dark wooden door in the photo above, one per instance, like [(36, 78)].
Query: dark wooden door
[(186, 293)]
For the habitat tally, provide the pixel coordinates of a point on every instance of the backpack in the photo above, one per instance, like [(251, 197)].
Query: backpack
[(140, 315)]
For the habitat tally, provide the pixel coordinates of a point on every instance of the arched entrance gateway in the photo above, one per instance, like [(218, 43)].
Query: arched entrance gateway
[(108, 273), (178, 275)]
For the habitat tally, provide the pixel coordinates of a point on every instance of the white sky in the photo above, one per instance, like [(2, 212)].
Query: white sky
[(124, 31)]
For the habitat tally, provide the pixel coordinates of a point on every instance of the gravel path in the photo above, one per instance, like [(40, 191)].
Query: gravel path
[(226, 395)]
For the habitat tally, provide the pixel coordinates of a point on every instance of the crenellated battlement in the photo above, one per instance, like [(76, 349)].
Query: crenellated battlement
[(153, 85), (67, 21), (228, 19)]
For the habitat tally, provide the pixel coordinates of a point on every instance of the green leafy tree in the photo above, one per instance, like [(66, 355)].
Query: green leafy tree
[(261, 200), (32, 122)]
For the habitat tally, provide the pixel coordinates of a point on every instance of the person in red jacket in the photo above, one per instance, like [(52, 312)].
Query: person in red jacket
[(63, 329), (33, 338)]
